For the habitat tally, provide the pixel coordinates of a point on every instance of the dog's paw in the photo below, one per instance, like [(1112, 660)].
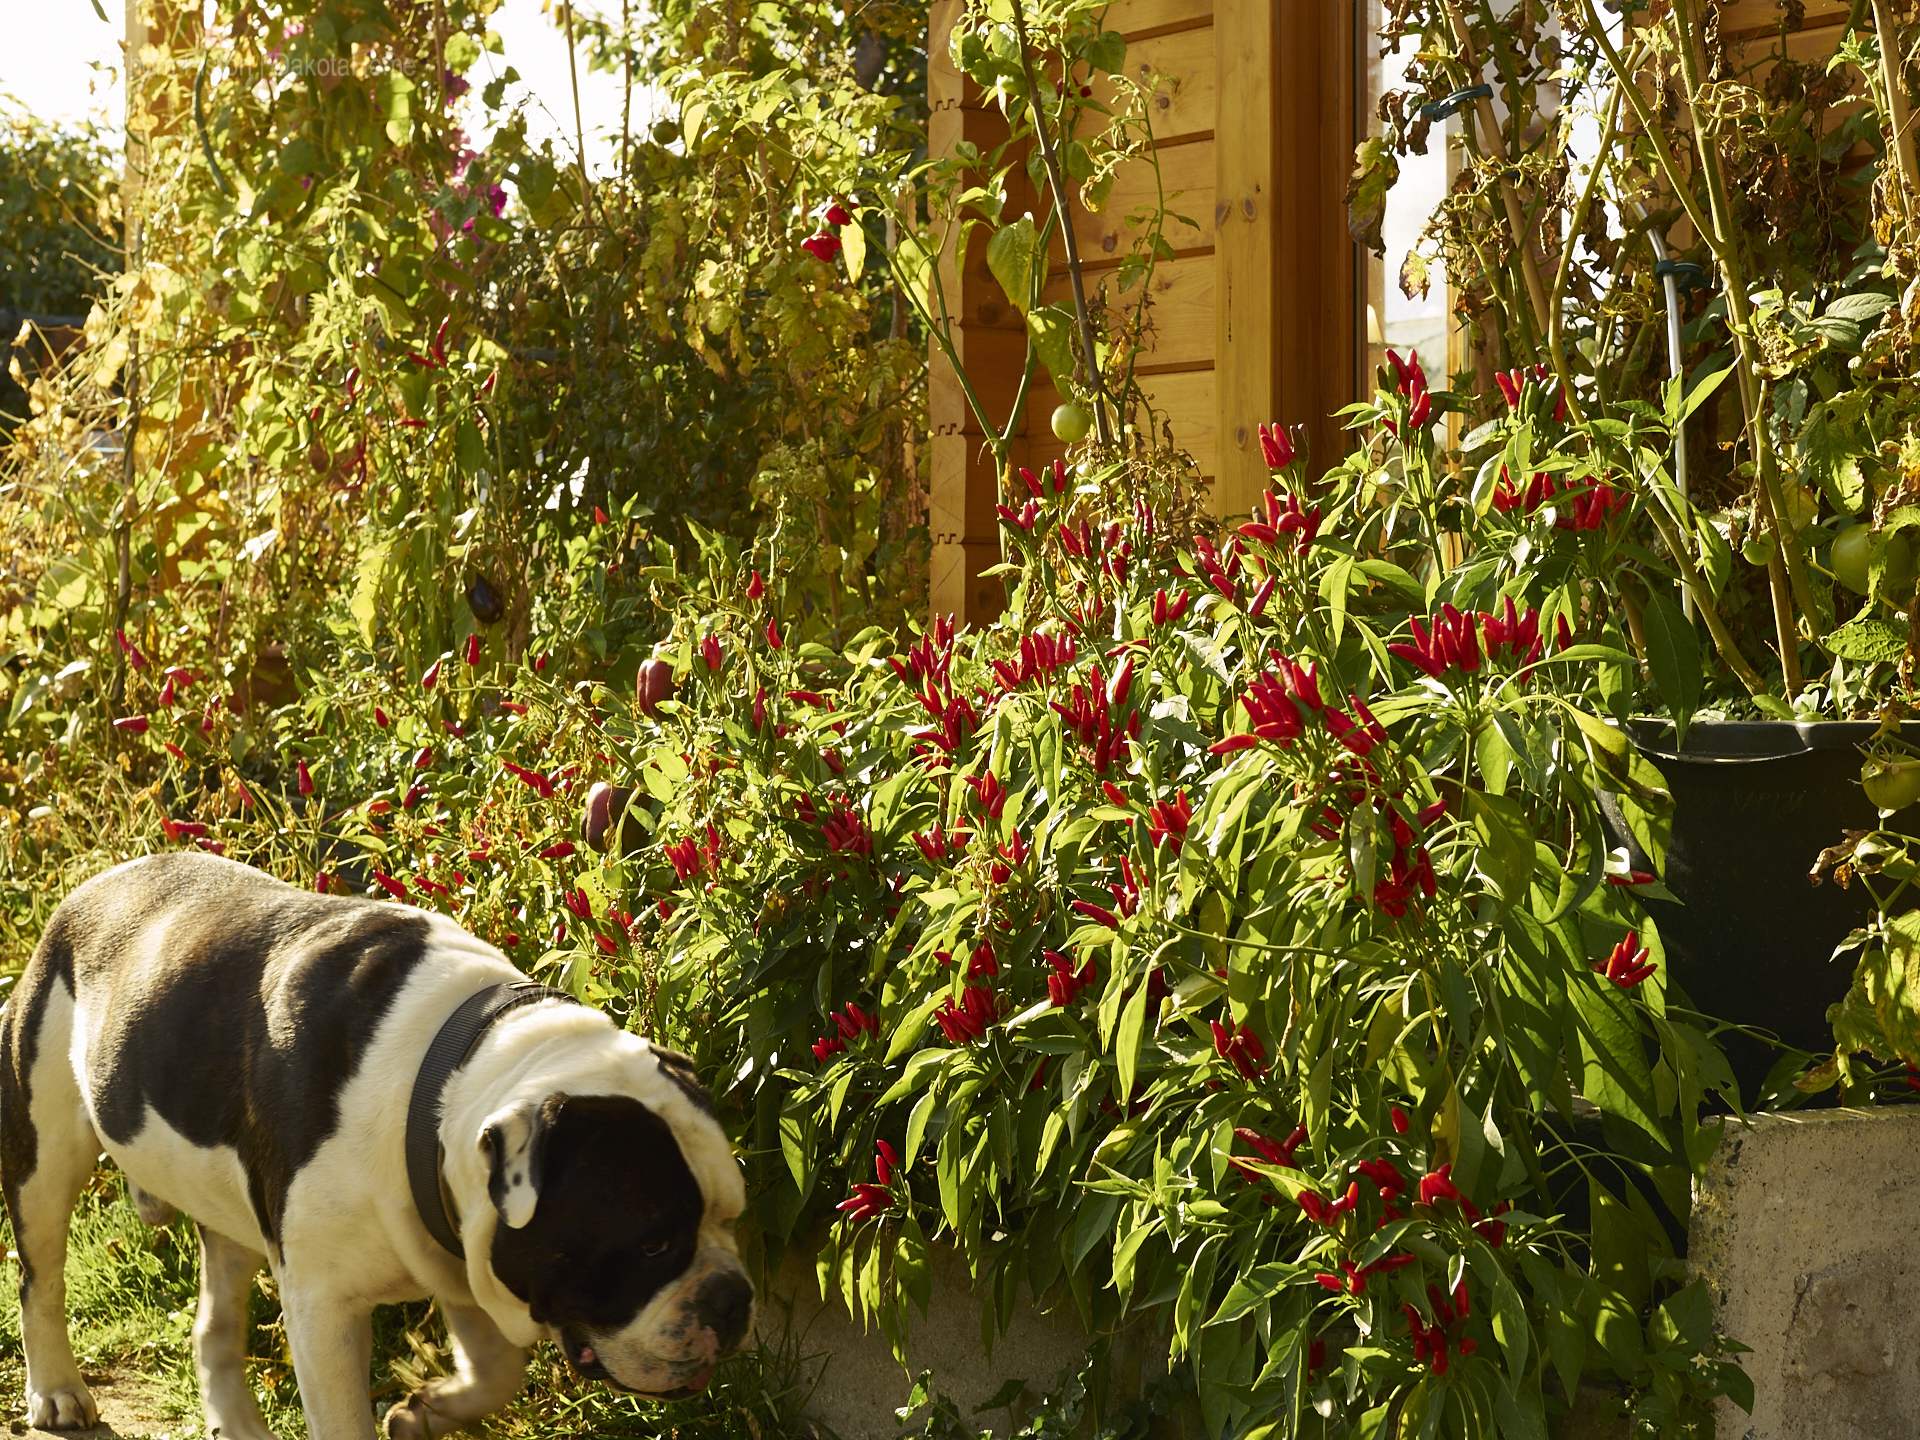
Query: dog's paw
[(410, 1420), (62, 1407)]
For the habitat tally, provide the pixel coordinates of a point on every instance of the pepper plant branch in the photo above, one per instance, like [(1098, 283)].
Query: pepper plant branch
[(1723, 640), (1556, 301), (1899, 115), (1754, 391), (1051, 159), (1496, 145)]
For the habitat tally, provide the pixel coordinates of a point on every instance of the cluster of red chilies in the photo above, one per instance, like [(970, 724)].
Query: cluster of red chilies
[(1439, 1186), (1240, 1048), (1592, 510), (940, 847), (869, 1200), (1166, 608), (1274, 703), (1009, 857), (1221, 567), (1037, 487), (851, 1023), (1065, 983), (1040, 655), (927, 671), (1430, 1341), (968, 1020), (1411, 380), (1410, 866), (1454, 641), (1089, 710), (690, 858), (1274, 1152), (1353, 1279), (533, 779), (1513, 387), (846, 832), (1273, 700), (1539, 490), (1628, 963), (1126, 898), (1290, 518), (1276, 446), (991, 794), (1168, 820)]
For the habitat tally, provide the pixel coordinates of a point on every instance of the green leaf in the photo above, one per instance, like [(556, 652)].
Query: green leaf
[(1673, 655), (1127, 1042), (1107, 51), (1866, 639), (1052, 328), (1505, 855), (1254, 1288), (1390, 574), (1010, 256), (1613, 1064)]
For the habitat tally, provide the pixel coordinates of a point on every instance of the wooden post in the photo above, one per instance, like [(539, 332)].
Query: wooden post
[(1284, 323)]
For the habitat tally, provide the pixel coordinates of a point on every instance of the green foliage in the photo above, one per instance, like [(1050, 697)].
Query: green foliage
[(59, 220)]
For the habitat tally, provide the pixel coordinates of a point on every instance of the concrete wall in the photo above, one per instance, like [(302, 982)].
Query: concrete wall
[(1808, 1227), (861, 1384)]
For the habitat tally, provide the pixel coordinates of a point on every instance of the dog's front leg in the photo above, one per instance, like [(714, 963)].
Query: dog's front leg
[(330, 1334), (489, 1370)]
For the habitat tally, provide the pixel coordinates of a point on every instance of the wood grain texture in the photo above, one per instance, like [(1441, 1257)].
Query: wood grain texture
[(1246, 246), (1181, 298), (1186, 176), (1154, 17), (1187, 397), (1180, 68)]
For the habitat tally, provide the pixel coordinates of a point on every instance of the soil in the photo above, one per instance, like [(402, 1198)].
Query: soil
[(131, 1406)]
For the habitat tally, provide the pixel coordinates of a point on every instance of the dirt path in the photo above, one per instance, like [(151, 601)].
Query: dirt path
[(131, 1406)]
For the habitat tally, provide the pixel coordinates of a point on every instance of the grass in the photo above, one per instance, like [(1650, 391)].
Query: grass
[(131, 1292)]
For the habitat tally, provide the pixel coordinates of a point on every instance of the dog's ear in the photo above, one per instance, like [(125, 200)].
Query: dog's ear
[(514, 1140)]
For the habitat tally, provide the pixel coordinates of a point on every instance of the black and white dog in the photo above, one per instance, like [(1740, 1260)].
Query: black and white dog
[(253, 1055)]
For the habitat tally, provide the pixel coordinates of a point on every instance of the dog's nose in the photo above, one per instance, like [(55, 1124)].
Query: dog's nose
[(724, 1304)]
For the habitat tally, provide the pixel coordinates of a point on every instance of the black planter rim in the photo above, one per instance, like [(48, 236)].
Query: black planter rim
[(1749, 742)]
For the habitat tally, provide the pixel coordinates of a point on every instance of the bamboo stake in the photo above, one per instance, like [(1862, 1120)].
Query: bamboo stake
[(1899, 114)]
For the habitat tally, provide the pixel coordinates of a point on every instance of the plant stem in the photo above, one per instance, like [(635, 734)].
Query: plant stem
[(1058, 182), (1899, 117), (1497, 150), (1703, 597), (1753, 390), (1556, 302), (626, 99), (579, 130)]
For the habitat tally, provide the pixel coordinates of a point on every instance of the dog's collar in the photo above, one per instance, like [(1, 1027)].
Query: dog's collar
[(448, 1053)]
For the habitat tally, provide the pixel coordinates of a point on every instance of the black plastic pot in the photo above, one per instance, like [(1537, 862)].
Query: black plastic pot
[(1752, 939)]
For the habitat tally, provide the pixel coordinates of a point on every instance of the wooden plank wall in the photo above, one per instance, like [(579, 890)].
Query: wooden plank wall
[(1252, 320)]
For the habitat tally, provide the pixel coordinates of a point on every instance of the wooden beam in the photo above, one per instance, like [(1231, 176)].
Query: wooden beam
[(1246, 246)]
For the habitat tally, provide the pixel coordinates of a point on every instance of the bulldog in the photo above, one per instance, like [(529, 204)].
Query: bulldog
[(376, 1106)]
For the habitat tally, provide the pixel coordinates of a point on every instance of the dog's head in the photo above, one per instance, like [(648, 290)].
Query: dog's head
[(616, 1230)]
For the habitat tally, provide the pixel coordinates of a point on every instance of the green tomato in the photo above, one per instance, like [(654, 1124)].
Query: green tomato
[(1758, 547), (1891, 786), (1897, 578), (1071, 423), (1852, 551)]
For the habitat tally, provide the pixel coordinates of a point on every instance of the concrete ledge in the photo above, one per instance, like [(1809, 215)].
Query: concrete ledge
[(1808, 1228), (861, 1383)]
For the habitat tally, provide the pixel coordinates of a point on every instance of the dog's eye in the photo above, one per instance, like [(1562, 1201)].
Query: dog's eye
[(654, 1249)]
